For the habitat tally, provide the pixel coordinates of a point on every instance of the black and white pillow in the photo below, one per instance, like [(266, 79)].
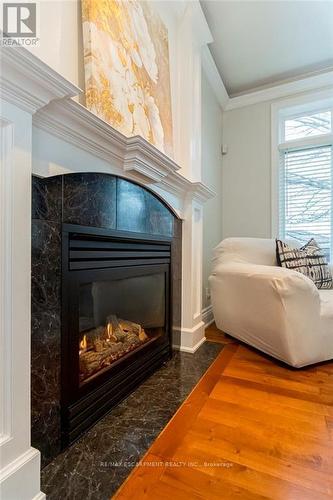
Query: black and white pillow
[(308, 260)]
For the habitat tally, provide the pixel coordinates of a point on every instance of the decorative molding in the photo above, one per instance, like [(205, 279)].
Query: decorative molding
[(143, 158), (207, 315), (28, 455), (19, 477), (314, 82), (29, 83), (180, 186), (213, 76), (6, 271), (200, 192), (203, 35), (75, 124), (306, 84)]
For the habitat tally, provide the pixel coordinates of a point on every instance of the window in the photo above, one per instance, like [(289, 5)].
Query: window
[(308, 125), (305, 178)]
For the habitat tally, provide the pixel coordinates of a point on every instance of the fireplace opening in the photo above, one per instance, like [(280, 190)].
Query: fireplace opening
[(115, 319)]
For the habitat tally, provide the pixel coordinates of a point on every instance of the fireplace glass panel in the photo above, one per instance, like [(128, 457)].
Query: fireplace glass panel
[(117, 317)]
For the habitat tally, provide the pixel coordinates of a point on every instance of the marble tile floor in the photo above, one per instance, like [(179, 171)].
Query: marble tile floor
[(96, 465)]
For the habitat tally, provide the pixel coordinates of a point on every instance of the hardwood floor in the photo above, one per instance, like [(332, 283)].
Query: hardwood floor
[(251, 429), (213, 334)]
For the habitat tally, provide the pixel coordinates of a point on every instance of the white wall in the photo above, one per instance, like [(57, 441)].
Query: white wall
[(60, 34), (246, 186), (247, 167), (212, 176)]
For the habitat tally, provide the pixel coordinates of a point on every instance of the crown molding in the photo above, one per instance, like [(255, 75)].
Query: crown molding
[(75, 124), (143, 158), (203, 35), (213, 76), (137, 158), (178, 185), (28, 82), (200, 192), (314, 82)]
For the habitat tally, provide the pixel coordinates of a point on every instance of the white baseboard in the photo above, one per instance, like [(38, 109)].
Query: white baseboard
[(40, 496), (191, 350), (207, 315), (189, 339), (20, 479)]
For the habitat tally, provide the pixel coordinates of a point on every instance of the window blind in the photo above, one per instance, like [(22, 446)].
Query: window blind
[(306, 195)]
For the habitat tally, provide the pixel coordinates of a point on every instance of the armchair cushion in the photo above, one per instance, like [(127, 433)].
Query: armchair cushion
[(308, 260)]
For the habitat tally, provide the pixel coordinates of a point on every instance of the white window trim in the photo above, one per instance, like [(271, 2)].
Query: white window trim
[(307, 142), (282, 109)]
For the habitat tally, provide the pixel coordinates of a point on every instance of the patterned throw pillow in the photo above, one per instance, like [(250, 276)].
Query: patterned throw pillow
[(308, 260)]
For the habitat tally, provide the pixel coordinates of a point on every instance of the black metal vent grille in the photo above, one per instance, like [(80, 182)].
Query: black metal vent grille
[(95, 253)]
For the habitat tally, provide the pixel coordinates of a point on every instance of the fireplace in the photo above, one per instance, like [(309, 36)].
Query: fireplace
[(115, 319), (106, 294), (119, 315)]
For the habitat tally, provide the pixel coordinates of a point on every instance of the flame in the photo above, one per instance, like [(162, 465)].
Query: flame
[(109, 330), (83, 343)]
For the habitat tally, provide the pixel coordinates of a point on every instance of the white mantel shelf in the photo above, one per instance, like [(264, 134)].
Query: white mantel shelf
[(137, 158), (28, 82)]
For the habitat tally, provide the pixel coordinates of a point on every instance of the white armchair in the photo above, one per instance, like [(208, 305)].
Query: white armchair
[(276, 310)]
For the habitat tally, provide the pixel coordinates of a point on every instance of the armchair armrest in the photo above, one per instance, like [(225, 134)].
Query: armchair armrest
[(272, 308)]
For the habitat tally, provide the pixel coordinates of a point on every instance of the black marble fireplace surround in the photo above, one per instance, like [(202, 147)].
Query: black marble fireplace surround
[(109, 210)]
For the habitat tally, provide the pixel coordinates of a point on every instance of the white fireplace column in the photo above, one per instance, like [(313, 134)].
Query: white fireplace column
[(193, 36), (192, 328), (24, 89)]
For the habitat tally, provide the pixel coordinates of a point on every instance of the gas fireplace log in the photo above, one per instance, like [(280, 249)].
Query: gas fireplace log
[(129, 326), (110, 343), (116, 329), (92, 361)]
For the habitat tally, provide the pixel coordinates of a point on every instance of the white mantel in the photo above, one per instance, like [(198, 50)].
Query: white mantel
[(131, 157), (45, 132)]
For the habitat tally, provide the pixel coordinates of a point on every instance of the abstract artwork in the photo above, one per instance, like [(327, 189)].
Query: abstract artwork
[(127, 76)]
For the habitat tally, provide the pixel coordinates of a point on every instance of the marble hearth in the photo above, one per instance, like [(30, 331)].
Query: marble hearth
[(98, 463)]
